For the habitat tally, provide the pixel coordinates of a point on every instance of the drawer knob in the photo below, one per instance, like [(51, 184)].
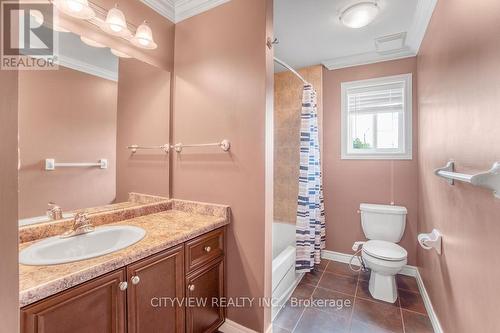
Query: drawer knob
[(207, 249), (135, 279), (191, 287), (123, 286)]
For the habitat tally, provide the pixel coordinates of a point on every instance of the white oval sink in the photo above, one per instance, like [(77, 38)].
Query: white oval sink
[(103, 240)]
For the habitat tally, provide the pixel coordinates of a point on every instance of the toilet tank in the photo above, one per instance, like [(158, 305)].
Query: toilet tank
[(383, 222)]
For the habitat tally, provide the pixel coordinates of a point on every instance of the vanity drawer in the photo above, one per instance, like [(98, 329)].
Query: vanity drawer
[(204, 249)]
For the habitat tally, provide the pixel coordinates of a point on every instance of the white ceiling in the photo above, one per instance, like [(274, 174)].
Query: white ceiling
[(309, 32)]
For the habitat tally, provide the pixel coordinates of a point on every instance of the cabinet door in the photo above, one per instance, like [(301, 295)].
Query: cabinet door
[(95, 306), (155, 294), (202, 287)]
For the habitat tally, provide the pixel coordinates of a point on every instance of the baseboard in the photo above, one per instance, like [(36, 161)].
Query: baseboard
[(230, 326), (345, 258), (428, 305), (407, 270)]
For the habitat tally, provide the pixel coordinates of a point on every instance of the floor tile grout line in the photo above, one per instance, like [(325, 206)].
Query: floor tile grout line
[(316, 287), (353, 303), (401, 314)]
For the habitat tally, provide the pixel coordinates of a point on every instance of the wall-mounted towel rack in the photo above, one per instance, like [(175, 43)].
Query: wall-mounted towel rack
[(135, 148), (225, 145), (50, 164), (489, 179)]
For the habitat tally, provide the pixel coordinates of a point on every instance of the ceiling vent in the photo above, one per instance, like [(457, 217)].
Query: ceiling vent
[(390, 43)]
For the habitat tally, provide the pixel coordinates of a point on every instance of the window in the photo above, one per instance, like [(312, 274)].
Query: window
[(376, 118)]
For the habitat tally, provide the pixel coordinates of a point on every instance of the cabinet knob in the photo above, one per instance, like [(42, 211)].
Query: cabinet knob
[(207, 248), (191, 287), (135, 279), (123, 285)]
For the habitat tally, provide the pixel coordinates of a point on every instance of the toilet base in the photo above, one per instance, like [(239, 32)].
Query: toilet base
[(383, 287)]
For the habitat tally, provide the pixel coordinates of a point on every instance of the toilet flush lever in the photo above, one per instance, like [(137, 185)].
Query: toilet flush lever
[(357, 245)]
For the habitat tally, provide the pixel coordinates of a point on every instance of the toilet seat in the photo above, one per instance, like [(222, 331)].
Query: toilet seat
[(384, 250)]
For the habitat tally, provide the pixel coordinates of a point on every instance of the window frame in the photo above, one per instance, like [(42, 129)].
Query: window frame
[(347, 152)]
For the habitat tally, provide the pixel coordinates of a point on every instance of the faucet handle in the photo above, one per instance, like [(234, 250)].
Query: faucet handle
[(81, 218)]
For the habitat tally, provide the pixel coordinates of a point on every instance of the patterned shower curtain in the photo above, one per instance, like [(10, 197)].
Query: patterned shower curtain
[(310, 229)]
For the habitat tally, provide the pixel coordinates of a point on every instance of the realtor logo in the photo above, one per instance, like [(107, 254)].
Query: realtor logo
[(28, 40)]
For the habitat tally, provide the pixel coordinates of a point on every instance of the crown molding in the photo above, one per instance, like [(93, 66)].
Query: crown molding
[(178, 10), (414, 37), (423, 14), (187, 8), (86, 67), (165, 8), (367, 58)]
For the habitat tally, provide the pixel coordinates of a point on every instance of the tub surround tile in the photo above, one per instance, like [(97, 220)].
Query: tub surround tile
[(164, 229)]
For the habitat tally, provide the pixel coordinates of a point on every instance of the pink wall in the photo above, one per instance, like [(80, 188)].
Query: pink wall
[(78, 126), (9, 288), (143, 119), (347, 183), (459, 89), (220, 92)]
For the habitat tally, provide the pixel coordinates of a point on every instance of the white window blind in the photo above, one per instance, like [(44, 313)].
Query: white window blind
[(377, 118)]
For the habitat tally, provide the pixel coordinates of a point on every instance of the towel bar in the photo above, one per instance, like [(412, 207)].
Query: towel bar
[(489, 179)]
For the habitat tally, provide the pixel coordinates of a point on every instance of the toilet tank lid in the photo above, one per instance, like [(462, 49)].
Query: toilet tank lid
[(382, 209)]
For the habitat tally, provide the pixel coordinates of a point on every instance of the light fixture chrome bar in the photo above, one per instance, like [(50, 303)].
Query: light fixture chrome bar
[(225, 145), (50, 164), (135, 148), (290, 68)]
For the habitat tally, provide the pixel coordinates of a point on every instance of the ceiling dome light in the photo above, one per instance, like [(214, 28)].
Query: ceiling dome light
[(144, 37), (91, 42), (359, 15), (115, 23), (76, 8), (120, 54)]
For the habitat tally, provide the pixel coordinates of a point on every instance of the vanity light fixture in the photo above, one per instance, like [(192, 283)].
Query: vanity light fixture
[(115, 23), (144, 37), (91, 42), (38, 17), (359, 14), (76, 8), (120, 54)]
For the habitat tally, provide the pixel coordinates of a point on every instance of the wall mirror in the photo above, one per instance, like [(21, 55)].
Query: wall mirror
[(75, 126)]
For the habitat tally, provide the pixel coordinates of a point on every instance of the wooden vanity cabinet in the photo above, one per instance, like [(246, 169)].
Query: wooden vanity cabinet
[(144, 297), (94, 306), (204, 289), (155, 293)]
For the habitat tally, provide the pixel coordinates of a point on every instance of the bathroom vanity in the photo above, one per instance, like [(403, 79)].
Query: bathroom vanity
[(154, 285)]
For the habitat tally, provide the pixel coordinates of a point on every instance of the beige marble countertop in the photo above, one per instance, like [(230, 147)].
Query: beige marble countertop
[(165, 229)]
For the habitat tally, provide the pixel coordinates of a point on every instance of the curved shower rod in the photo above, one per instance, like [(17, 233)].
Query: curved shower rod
[(290, 68)]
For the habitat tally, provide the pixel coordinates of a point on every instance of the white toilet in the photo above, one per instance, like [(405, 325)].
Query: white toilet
[(384, 226)]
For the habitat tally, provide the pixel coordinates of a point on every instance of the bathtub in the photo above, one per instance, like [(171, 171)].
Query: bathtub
[(285, 279)]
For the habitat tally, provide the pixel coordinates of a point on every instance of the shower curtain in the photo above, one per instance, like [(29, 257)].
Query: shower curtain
[(310, 229)]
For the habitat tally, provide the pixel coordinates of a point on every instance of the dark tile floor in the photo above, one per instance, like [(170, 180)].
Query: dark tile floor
[(335, 299)]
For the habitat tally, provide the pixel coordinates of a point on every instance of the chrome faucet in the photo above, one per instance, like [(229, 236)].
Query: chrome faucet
[(81, 225), (54, 212)]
